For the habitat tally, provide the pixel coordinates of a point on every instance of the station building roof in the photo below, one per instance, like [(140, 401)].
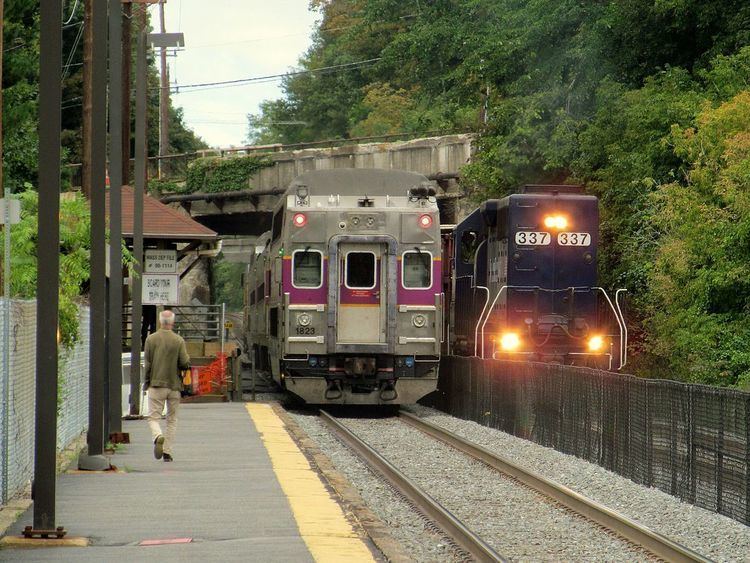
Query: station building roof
[(160, 221)]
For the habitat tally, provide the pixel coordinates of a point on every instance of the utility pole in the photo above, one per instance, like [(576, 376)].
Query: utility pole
[(115, 221), (97, 141), (163, 101), (127, 15), (141, 155), (48, 276), (88, 7)]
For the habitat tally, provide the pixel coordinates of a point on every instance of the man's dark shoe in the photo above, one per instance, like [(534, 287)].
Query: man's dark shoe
[(168, 457), (159, 446)]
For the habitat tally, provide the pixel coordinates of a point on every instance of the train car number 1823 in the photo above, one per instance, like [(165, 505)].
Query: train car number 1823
[(305, 330)]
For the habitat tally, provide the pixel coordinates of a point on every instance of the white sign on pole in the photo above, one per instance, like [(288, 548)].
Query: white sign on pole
[(15, 211), (161, 289), (160, 261)]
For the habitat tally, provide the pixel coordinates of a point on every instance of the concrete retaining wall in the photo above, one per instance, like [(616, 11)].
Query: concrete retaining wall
[(427, 156)]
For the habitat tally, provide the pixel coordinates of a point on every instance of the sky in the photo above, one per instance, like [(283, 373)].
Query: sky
[(230, 40)]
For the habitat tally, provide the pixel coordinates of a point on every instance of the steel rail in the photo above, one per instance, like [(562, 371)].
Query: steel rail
[(654, 542), (465, 538)]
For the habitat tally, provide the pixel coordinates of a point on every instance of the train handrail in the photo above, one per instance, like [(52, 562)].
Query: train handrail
[(620, 322), (618, 316), (476, 328), (489, 312), (625, 325)]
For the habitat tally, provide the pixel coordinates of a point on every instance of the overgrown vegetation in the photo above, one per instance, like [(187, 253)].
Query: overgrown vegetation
[(645, 102), (74, 258), (217, 174), (20, 83), (226, 284)]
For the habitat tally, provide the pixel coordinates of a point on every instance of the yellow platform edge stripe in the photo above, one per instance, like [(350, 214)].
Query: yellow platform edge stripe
[(322, 524)]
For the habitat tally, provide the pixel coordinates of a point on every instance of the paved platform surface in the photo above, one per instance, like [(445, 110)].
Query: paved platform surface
[(222, 491)]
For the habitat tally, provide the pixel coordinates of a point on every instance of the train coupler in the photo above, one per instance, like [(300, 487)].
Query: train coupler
[(388, 390), (334, 390)]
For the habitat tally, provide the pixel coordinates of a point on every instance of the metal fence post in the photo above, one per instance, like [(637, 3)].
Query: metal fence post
[(223, 328), (6, 345)]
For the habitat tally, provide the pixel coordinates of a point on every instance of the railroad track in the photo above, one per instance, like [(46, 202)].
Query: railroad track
[(461, 535), (631, 531)]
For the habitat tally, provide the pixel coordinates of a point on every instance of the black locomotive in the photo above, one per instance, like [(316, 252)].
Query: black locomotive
[(522, 282)]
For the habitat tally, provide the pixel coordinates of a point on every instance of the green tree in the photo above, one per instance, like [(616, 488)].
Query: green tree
[(700, 282)]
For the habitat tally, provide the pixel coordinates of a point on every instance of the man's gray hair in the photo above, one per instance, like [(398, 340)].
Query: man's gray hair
[(166, 318)]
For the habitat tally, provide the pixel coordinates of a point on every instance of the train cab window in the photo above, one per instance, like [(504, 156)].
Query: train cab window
[(360, 270), (307, 269), (469, 245), (416, 269)]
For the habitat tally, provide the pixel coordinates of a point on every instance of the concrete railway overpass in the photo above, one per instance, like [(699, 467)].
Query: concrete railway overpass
[(240, 216)]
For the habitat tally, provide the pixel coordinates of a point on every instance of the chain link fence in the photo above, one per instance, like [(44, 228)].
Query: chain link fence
[(691, 441), (72, 401)]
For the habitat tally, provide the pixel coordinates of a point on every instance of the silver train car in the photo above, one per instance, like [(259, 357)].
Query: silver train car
[(343, 296)]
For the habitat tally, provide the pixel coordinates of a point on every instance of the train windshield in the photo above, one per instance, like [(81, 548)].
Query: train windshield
[(416, 269), (360, 270), (307, 268)]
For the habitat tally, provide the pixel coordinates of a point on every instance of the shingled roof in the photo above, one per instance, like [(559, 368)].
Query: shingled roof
[(160, 221)]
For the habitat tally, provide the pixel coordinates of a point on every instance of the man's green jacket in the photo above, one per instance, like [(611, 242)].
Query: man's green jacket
[(165, 356)]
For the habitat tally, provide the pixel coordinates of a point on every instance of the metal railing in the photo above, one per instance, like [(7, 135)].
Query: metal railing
[(192, 322)]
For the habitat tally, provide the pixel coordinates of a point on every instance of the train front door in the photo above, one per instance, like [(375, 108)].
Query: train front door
[(361, 307)]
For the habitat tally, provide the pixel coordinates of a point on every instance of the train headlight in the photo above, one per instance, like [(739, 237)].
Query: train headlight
[(556, 222), (596, 344), (419, 320), (304, 319), (299, 220), (510, 342)]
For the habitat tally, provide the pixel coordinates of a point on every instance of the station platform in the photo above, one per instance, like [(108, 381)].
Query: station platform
[(239, 489)]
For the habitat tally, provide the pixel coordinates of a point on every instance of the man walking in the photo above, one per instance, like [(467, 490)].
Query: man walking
[(165, 355)]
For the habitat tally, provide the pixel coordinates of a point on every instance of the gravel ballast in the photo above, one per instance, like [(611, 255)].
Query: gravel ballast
[(508, 516), (407, 527), (712, 535)]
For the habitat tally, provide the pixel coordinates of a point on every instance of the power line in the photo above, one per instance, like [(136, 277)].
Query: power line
[(66, 68), (271, 77), (72, 13)]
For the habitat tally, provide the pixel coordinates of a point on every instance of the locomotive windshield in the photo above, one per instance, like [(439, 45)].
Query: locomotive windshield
[(360, 270), (469, 244), (417, 269), (307, 268)]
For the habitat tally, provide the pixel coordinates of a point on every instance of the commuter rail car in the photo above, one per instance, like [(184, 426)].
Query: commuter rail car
[(523, 282), (343, 297)]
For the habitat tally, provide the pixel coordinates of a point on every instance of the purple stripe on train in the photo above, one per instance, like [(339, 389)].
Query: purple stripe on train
[(426, 296), (405, 296), (301, 295)]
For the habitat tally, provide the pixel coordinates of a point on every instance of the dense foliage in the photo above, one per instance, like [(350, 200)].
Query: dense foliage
[(74, 257), (225, 283), (643, 101), (20, 150), (216, 174)]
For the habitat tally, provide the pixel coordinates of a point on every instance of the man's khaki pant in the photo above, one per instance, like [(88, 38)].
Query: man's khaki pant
[(156, 398)]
